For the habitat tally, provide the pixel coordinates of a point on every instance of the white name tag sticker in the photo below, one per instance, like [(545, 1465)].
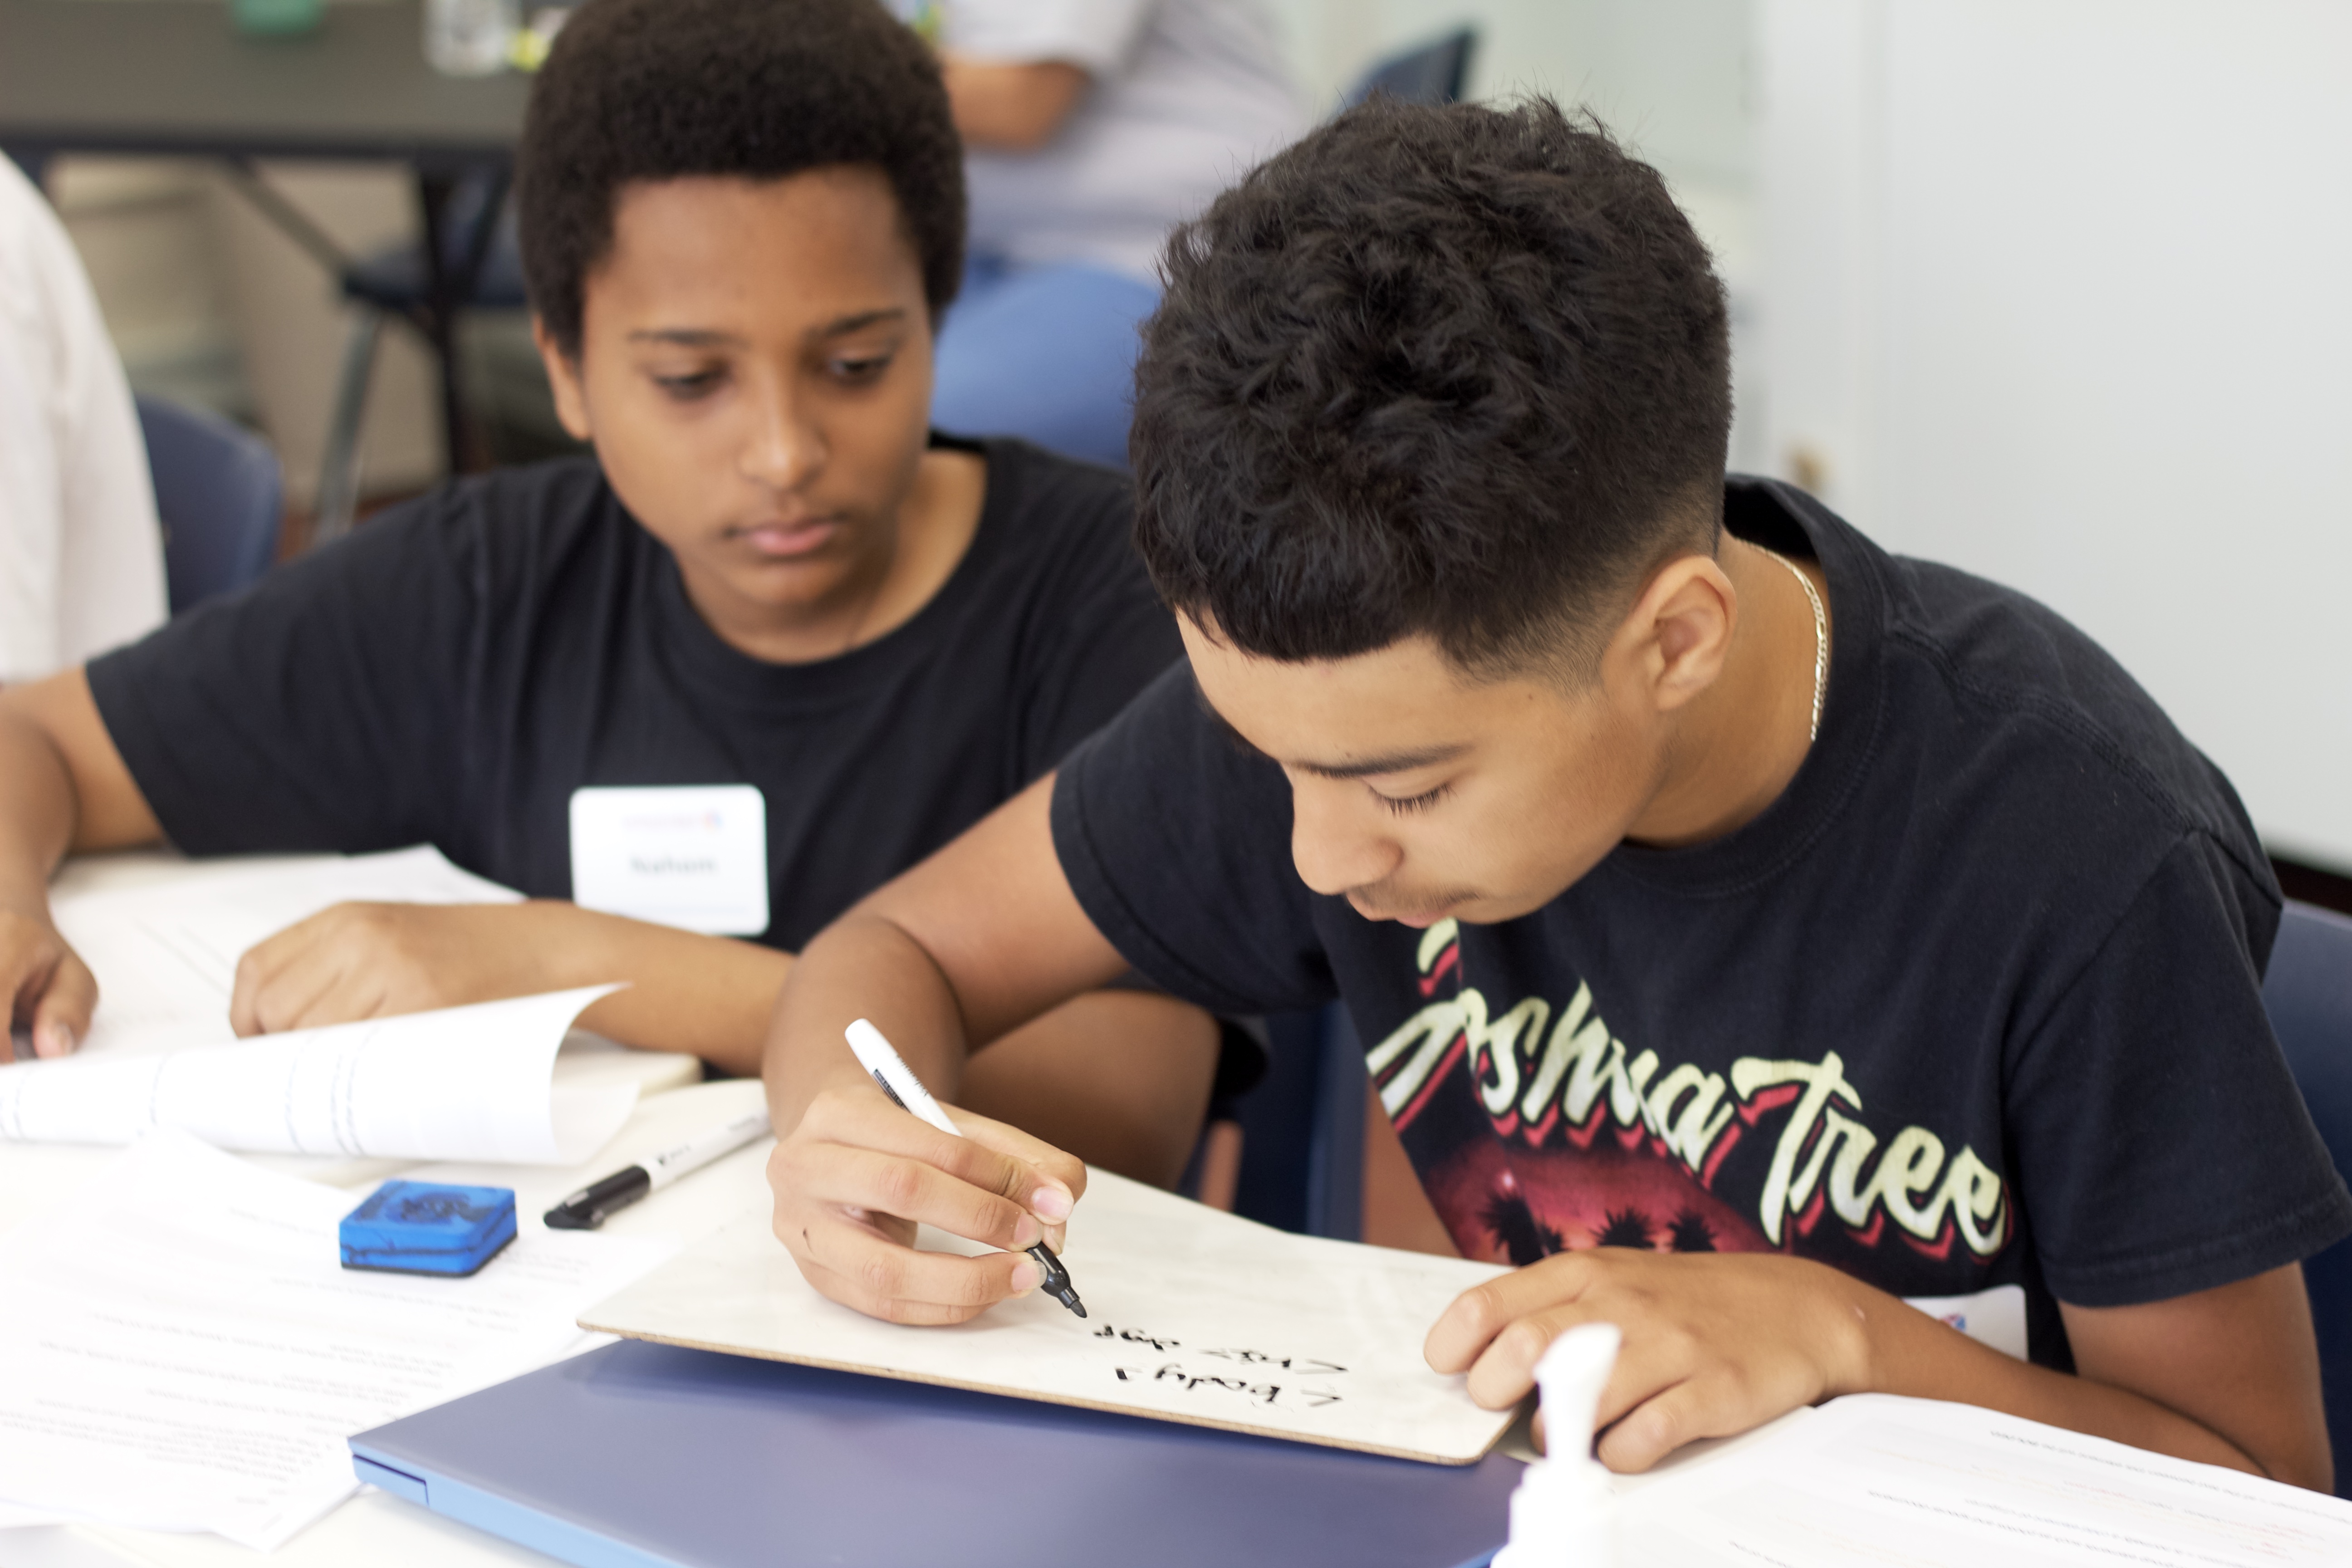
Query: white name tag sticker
[(691, 855), (1994, 1317)]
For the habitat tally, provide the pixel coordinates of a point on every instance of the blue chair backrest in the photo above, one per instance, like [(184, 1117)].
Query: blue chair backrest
[(220, 496), (2308, 994), (1434, 73), (1303, 1129), (394, 279)]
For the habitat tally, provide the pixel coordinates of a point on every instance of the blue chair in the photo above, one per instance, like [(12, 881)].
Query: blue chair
[(1303, 1129), (220, 496), (2309, 996), (480, 254), (1044, 352), (1434, 73)]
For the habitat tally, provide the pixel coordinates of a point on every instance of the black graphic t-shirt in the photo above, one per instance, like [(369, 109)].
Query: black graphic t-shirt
[(1975, 1002), (452, 671)]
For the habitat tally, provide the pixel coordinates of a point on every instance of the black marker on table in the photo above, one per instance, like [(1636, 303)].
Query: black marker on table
[(877, 1056), (589, 1207)]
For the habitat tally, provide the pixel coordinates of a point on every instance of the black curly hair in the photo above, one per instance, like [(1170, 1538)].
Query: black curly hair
[(660, 89), (1462, 371)]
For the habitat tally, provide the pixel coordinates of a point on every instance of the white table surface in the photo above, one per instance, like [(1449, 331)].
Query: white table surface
[(373, 1529)]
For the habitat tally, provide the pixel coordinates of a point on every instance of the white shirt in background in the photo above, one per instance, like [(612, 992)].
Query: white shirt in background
[(81, 553), (1187, 95)]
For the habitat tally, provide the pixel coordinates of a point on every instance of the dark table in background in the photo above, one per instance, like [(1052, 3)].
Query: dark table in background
[(171, 77)]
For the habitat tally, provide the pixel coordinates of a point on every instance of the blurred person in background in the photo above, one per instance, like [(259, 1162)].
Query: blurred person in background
[(1092, 128), (82, 554)]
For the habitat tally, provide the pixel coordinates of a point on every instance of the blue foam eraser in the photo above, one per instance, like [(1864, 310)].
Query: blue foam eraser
[(423, 1228)]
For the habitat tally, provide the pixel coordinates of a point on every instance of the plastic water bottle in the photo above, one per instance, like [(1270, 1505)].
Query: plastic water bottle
[(469, 37)]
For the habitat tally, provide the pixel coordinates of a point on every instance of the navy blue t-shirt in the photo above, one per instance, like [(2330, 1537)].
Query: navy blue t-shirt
[(1976, 1001), (453, 670)]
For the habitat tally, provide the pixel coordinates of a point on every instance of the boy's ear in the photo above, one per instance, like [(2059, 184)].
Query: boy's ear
[(1675, 640), (563, 380)]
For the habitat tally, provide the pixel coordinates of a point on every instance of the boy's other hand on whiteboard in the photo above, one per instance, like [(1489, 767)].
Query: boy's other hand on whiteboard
[(857, 1174), (1714, 1343), (50, 992)]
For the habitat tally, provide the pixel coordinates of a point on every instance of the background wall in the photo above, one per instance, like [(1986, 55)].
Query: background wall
[(145, 230), (1670, 74), (210, 304), (2057, 291)]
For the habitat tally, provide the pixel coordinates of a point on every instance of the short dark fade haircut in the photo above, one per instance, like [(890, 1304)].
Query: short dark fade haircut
[(1460, 371), (760, 89)]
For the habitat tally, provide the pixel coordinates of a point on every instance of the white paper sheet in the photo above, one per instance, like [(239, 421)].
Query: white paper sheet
[(180, 1350), (1194, 1316), (165, 956), (462, 1083), (1873, 1479)]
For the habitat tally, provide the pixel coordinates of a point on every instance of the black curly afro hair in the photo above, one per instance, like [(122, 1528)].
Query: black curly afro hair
[(1462, 371), (663, 90)]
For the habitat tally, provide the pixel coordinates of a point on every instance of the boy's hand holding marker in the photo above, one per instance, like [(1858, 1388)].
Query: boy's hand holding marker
[(906, 1092), (857, 1174)]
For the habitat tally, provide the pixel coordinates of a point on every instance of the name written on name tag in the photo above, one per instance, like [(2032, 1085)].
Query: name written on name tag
[(690, 856)]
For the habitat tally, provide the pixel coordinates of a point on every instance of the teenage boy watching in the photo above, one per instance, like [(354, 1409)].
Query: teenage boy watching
[(1748, 928), (739, 222)]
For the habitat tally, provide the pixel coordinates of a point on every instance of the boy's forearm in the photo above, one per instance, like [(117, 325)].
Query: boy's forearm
[(1012, 107), (703, 995), (863, 967), (1911, 1353), (64, 787), (1120, 1079), (37, 815)]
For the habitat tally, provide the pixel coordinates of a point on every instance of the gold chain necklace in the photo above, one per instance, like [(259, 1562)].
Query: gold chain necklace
[(1821, 640)]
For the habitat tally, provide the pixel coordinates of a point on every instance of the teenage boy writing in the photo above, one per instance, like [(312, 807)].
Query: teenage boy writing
[(1812, 926), (741, 222)]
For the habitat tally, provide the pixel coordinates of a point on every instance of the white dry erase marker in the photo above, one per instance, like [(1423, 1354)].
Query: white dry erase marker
[(587, 1208), (877, 1056)]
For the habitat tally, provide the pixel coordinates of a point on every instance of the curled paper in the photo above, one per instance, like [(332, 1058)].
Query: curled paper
[(460, 1083)]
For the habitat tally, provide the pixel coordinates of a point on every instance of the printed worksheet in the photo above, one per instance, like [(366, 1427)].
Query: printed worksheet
[(165, 956), (180, 1348), (1873, 1479), (1192, 1316)]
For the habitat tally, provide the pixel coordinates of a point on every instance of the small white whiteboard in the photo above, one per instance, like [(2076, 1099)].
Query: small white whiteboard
[(1194, 1316)]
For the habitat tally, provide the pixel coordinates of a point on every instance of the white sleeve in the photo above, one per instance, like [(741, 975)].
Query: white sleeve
[(82, 554), (31, 511), (1098, 35)]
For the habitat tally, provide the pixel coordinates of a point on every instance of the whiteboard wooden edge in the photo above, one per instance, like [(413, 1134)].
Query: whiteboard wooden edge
[(1503, 1418)]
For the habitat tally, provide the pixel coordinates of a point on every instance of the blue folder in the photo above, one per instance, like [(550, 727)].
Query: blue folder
[(640, 1455)]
